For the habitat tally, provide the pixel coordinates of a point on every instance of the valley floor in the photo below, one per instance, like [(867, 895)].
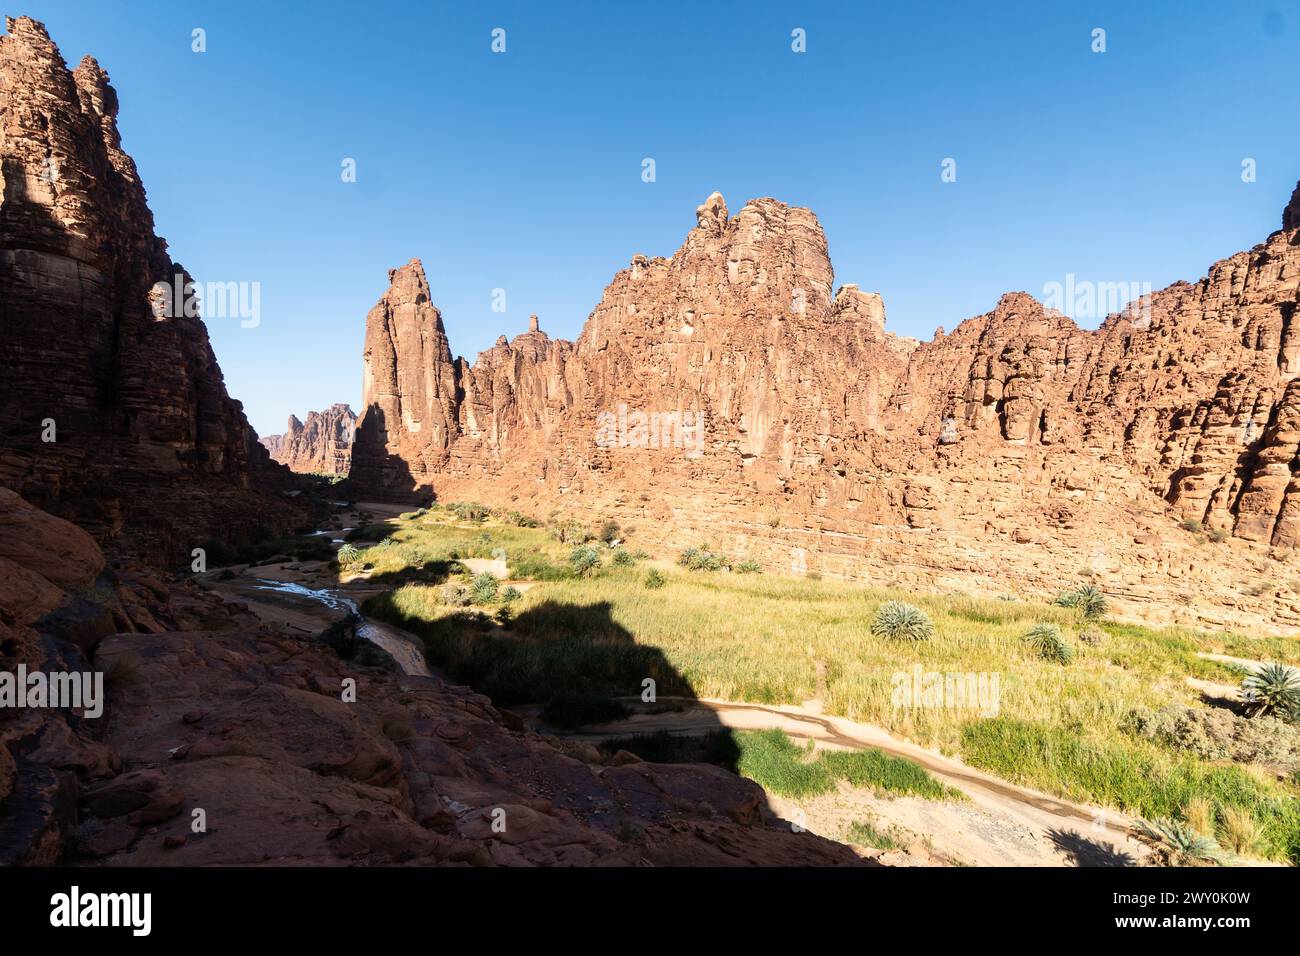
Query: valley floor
[(1052, 770)]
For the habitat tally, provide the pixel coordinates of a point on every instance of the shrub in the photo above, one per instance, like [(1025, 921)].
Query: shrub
[(623, 557), (1087, 600), (609, 532), (749, 567), (1045, 640), (1273, 690), (1215, 733), (470, 511), (570, 531), (348, 555), (1091, 636), (510, 594), (654, 579), (454, 594), (584, 559), (1192, 525), (504, 617), (483, 588), (702, 559), (897, 620), (1179, 842), (1219, 535), (520, 520)]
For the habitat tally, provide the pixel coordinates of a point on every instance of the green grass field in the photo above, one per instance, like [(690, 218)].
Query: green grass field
[(766, 638)]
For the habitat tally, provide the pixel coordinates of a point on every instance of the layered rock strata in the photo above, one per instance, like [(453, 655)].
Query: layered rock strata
[(729, 393)]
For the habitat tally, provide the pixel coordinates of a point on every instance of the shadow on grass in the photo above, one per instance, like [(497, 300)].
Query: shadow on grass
[(574, 660)]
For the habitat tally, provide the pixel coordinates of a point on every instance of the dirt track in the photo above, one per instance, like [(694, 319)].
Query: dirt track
[(1004, 824)]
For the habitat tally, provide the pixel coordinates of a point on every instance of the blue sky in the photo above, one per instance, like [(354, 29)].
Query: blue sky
[(522, 170)]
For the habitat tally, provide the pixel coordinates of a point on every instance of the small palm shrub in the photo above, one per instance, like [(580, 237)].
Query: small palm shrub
[(900, 621), (1087, 600), (1180, 843), (483, 588), (584, 559), (1045, 640), (510, 594), (654, 579), (702, 559), (1273, 690), (623, 557), (348, 556), (749, 567)]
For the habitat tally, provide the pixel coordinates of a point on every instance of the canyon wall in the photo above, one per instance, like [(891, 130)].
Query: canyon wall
[(111, 414), (321, 446), (728, 394)]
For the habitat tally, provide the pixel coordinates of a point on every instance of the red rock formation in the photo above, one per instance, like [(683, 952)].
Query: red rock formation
[(1007, 455), (207, 708), (145, 437), (409, 393), (323, 446)]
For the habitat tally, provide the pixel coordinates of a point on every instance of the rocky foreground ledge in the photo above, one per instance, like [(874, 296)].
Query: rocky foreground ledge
[(211, 718)]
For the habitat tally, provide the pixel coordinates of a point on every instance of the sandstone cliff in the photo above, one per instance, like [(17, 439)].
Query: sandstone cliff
[(754, 406), (109, 413), (321, 446), (207, 708)]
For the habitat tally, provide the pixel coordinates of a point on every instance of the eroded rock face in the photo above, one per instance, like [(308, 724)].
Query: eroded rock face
[(1009, 455), (409, 391), (206, 708), (321, 446), (109, 413)]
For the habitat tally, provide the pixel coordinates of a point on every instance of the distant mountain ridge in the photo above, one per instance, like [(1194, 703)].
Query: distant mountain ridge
[(321, 446)]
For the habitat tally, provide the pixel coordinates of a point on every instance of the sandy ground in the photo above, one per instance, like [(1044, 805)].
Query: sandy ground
[(1002, 824)]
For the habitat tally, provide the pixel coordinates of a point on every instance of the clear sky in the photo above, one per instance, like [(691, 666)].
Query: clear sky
[(523, 170)]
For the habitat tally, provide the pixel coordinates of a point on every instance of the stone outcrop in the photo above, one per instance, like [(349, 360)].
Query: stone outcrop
[(409, 391), (110, 413), (321, 446), (1012, 454), (208, 709)]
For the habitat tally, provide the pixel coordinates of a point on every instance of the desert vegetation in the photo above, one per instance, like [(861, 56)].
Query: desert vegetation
[(1118, 727)]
